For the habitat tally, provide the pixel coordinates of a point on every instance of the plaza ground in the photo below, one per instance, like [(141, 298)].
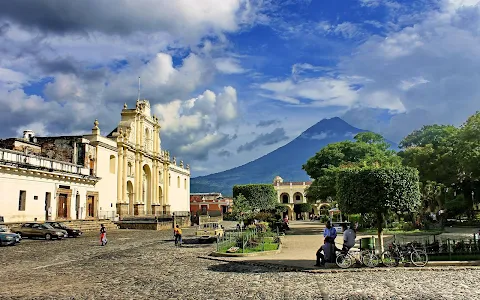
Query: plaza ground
[(146, 265), (302, 241)]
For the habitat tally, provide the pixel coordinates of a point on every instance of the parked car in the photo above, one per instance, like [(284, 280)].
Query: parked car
[(7, 237), (71, 232), (40, 231), (209, 231)]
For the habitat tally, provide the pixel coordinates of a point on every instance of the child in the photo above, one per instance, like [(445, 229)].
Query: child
[(103, 235)]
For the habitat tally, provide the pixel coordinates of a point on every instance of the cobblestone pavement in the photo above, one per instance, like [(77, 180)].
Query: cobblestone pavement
[(146, 265)]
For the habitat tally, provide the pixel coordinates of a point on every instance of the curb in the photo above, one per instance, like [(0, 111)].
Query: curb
[(287, 268), (263, 253)]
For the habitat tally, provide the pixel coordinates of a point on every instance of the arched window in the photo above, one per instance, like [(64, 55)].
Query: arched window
[(169, 180), (178, 181), (185, 183), (112, 164)]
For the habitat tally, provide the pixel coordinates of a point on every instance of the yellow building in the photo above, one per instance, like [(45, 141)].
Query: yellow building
[(290, 193), (149, 181), (92, 176)]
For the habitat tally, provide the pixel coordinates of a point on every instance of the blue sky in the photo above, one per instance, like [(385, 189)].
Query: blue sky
[(224, 74)]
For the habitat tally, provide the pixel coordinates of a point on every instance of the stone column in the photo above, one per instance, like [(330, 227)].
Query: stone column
[(124, 175), (119, 175), (142, 137), (136, 193)]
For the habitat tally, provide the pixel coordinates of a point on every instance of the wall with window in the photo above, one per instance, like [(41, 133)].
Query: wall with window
[(179, 189), (25, 197), (106, 167)]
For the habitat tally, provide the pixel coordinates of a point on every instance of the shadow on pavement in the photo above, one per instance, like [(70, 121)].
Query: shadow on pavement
[(240, 267)]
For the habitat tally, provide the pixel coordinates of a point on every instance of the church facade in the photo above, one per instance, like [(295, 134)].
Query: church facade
[(126, 173)]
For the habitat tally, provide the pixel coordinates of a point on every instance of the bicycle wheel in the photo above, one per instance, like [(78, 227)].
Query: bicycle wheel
[(369, 259), (389, 259), (344, 261), (419, 258)]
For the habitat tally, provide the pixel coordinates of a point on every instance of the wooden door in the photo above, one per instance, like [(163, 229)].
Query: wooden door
[(62, 206), (91, 206)]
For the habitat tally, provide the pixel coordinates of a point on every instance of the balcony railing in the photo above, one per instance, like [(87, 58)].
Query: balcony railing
[(22, 160)]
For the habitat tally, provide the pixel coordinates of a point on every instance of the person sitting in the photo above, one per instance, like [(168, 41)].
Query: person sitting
[(326, 251), (349, 236)]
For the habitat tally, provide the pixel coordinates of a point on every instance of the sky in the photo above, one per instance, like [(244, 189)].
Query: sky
[(231, 80)]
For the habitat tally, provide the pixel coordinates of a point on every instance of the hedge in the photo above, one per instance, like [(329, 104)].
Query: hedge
[(258, 196)]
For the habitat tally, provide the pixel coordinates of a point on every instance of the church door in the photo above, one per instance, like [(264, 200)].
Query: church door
[(62, 206), (91, 206)]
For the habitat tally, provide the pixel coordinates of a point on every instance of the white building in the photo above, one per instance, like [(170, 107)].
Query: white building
[(92, 176)]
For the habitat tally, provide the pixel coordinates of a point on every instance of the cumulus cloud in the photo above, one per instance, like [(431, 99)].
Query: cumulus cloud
[(276, 136), (198, 122), (189, 19), (229, 65), (427, 71), (266, 123)]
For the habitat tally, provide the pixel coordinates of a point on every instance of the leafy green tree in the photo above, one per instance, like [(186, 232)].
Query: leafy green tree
[(259, 197), (378, 191), (457, 206), (432, 150), (302, 208), (435, 135), (468, 149), (241, 208), (432, 195), (368, 149)]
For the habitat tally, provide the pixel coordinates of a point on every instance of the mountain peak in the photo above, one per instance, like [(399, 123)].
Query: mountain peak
[(334, 124)]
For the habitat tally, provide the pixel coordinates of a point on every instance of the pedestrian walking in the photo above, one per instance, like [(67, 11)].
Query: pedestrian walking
[(103, 235), (177, 232)]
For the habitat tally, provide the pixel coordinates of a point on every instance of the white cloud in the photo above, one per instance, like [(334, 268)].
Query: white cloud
[(411, 83), (198, 121), (321, 91), (427, 72), (229, 65)]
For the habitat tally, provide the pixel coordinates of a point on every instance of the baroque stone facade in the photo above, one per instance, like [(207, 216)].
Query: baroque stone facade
[(149, 181)]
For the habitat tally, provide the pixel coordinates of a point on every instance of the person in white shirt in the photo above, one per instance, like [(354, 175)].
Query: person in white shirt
[(349, 237)]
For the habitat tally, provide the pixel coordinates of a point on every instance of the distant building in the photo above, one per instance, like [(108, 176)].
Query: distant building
[(290, 193), (91, 176), (209, 202)]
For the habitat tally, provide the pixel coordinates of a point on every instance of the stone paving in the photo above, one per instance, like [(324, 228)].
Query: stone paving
[(146, 265)]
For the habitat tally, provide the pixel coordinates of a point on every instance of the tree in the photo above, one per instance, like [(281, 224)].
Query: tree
[(379, 191), (260, 197), (302, 208), (435, 135), (241, 208), (469, 147), (432, 150), (368, 149), (432, 195)]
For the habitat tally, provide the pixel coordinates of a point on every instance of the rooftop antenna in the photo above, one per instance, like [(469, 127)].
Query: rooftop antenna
[(138, 99)]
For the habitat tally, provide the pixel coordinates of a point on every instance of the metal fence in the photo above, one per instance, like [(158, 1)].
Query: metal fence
[(448, 247), (249, 239)]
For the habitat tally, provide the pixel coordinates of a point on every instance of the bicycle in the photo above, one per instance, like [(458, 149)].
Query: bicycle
[(365, 257), (393, 256)]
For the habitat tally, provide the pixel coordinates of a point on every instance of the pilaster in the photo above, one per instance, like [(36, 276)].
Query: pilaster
[(119, 174), (124, 175)]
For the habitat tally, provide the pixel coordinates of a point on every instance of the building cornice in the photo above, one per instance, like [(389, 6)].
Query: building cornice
[(181, 171), (58, 176)]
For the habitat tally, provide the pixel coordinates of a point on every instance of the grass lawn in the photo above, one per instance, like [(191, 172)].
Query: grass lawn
[(268, 246), (402, 232)]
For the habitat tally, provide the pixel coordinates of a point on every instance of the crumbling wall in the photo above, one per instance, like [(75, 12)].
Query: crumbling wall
[(58, 148)]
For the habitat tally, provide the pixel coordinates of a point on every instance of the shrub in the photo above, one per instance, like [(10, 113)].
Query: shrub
[(408, 226), (258, 196)]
